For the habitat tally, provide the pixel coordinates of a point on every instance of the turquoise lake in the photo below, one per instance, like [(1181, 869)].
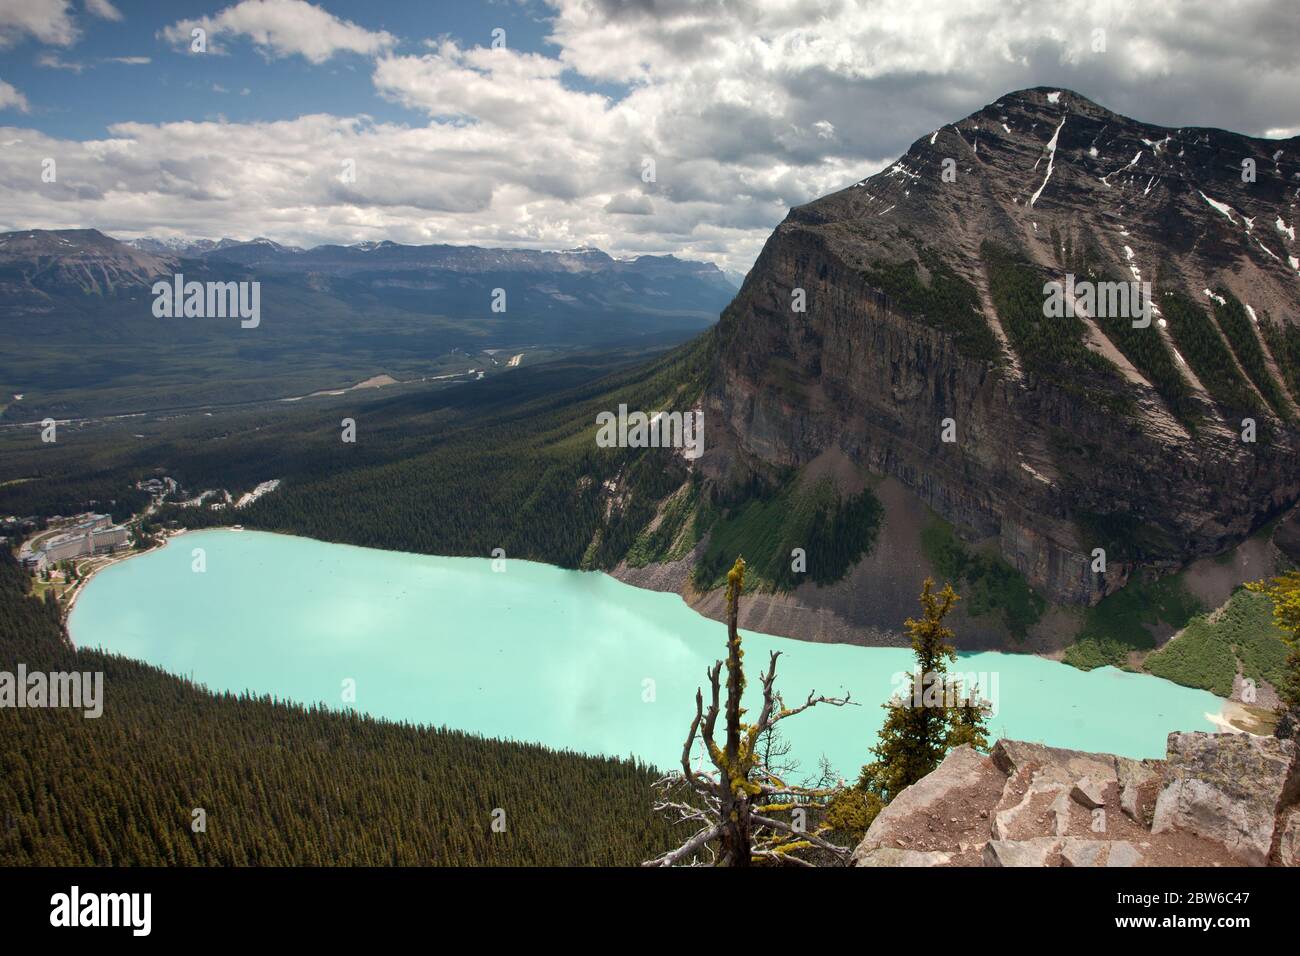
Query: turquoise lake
[(569, 659)]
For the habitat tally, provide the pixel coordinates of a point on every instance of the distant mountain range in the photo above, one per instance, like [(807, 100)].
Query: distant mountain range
[(363, 257), (76, 310), (38, 265), (186, 247)]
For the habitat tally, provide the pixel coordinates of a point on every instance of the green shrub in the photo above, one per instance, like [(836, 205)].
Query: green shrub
[(989, 584), (1207, 654), (1197, 658), (1126, 615), (834, 531), (1120, 623), (1093, 652), (947, 301), (1247, 625)]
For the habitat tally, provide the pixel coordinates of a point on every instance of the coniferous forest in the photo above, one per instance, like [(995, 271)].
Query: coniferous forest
[(280, 784)]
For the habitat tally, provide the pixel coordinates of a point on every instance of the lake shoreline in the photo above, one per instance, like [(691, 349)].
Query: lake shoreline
[(70, 597), (306, 616), (622, 573), (66, 611)]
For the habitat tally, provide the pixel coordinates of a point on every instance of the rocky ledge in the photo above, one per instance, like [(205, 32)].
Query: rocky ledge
[(1215, 800)]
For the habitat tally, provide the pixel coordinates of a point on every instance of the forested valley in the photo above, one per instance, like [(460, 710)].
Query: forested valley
[(509, 464)]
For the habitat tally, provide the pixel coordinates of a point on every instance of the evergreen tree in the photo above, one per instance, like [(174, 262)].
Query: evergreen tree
[(937, 713), (1284, 592)]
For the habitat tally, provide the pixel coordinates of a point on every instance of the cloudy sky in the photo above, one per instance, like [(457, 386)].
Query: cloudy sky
[(529, 122)]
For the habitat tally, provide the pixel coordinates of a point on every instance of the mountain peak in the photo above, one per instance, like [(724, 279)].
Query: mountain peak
[(1049, 95), (56, 261), (926, 287), (1045, 159)]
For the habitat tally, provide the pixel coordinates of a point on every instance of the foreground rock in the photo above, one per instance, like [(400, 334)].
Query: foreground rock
[(1230, 789), (931, 816), (1216, 800)]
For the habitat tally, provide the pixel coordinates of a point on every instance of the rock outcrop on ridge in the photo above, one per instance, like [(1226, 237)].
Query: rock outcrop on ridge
[(1215, 800)]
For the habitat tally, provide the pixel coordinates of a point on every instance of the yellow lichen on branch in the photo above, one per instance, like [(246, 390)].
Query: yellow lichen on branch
[(729, 812)]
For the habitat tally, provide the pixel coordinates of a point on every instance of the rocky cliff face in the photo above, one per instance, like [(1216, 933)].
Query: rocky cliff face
[(1110, 440), (1216, 800)]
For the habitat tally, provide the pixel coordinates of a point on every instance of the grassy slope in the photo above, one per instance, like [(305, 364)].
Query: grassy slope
[(1206, 654), (988, 584), (1118, 624), (833, 530)]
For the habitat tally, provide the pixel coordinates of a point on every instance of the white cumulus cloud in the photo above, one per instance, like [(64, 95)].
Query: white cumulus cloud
[(740, 110), (48, 21), (11, 99), (285, 28), (103, 9)]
